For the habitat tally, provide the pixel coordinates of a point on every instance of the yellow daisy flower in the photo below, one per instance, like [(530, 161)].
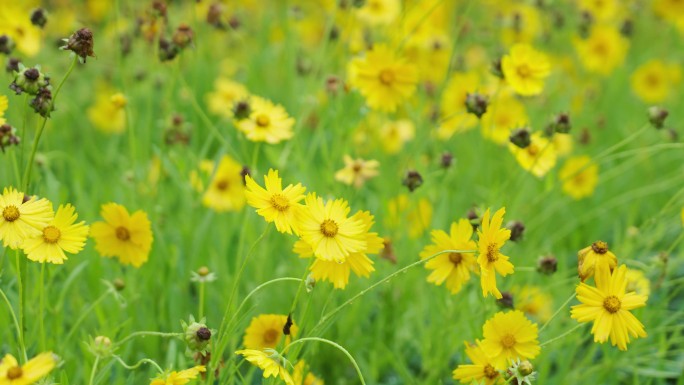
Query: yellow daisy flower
[(226, 93), (509, 336), (503, 115), (108, 113), (654, 81), (533, 301), (127, 237), (226, 191), (394, 134), (603, 51), (15, 23), (491, 238), (326, 227), (357, 171), (383, 79), (60, 235), (591, 257), (274, 203), (270, 362), (608, 306), (379, 12), (638, 282), (179, 378), (266, 331), (481, 370), (454, 268), (454, 116), (302, 376), (22, 219), (11, 373), (521, 22), (267, 122), (579, 176), (525, 69), (538, 158)]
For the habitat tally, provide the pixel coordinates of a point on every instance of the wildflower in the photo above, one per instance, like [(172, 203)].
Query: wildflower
[(274, 203), (127, 237), (509, 336), (603, 10), (196, 335), (560, 124), (504, 114), (327, 229), (453, 268), (29, 80), (81, 43), (481, 370), (534, 302), (108, 113), (179, 378), (61, 234), (302, 376), (525, 69), (266, 331), (268, 360), (455, 117), (412, 180), (15, 24), (591, 257), (203, 275), (39, 17), (22, 219), (225, 95), (379, 12), (11, 373), (3, 107), (657, 116), (547, 265), (357, 171), (384, 79), (491, 238), (654, 81), (637, 282), (603, 50), (42, 103), (476, 104), (267, 122), (520, 137), (608, 306), (226, 191), (538, 158), (579, 176), (394, 134), (522, 371)]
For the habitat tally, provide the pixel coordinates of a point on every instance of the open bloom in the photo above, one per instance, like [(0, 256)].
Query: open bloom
[(122, 235), (21, 218), (270, 362), (357, 171), (525, 69), (266, 331), (603, 51), (590, 257), (538, 158), (302, 375), (481, 369), (274, 203), (60, 235), (509, 336), (226, 191), (179, 378), (267, 122), (608, 306), (579, 176), (11, 373), (490, 239)]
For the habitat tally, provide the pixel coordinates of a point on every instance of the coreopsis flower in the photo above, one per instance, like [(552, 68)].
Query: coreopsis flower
[(179, 378), (608, 305), (266, 331), (579, 176), (108, 113), (654, 81), (591, 257), (539, 157), (16, 23), (226, 191), (379, 12), (602, 10), (302, 376), (326, 227), (509, 336), (418, 215), (525, 69), (22, 219), (357, 171), (521, 23), (226, 93), (454, 117), (272, 363), (62, 234), (481, 370), (122, 235), (394, 134), (384, 79), (603, 51), (491, 237), (503, 115), (669, 9), (274, 203), (3, 107), (267, 122), (11, 373), (637, 282), (453, 268), (534, 301)]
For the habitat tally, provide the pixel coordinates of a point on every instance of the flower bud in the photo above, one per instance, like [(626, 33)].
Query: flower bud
[(203, 271), (657, 116), (12, 65), (506, 300), (8, 136), (412, 180), (495, 68), (476, 104), (333, 85), (29, 80), (561, 123), (388, 251), (244, 172), (446, 160), (167, 50), (242, 110), (547, 265), (627, 28), (81, 43), (101, 346), (42, 103), (520, 137), (6, 44), (287, 328), (183, 36), (119, 284), (196, 335), (39, 17), (525, 368), (517, 230), (310, 283)]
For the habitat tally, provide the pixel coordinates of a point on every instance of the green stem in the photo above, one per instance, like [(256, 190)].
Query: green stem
[(138, 364), (85, 314), (339, 347), (20, 336), (201, 300), (251, 293), (147, 333), (21, 278), (15, 166), (557, 312), (41, 313), (562, 335), (94, 371)]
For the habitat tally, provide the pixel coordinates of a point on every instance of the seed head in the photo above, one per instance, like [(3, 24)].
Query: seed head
[(81, 43)]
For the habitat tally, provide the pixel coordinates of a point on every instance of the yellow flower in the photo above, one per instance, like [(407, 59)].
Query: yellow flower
[(128, 237), (533, 301), (491, 238), (604, 10), (383, 79), (579, 176), (503, 114), (357, 171), (562, 143), (226, 191), (379, 12), (11, 373), (202, 173), (22, 219), (267, 122), (608, 306), (454, 268), (525, 69), (60, 235), (3, 107), (591, 257), (454, 116), (509, 336), (274, 203), (538, 158), (654, 81), (299, 378), (418, 215), (603, 51), (327, 229), (266, 331), (226, 93), (179, 378), (270, 362), (108, 113), (669, 9), (394, 134), (638, 282), (481, 370), (521, 24), (16, 23)]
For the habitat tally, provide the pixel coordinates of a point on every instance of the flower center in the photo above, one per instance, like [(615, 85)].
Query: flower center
[(524, 71), (490, 372), (271, 336), (14, 373), (508, 341), (329, 228), (532, 150), (51, 234), (612, 304), (279, 202), (599, 247), (386, 77), (492, 253), (455, 258), (10, 213), (122, 233), (222, 185), (263, 120), (653, 80)]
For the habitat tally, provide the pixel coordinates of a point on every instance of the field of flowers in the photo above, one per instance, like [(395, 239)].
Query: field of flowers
[(309, 192)]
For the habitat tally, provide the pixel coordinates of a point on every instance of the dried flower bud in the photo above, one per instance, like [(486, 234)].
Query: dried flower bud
[(627, 28), (520, 137), (561, 123), (215, 15), (167, 49), (242, 110), (517, 230), (183, 36), (495, 68), (42, 103), (6, 44), (585, 136), (288, 325), (8, 137), (39, 17), (244, 172), (547, 265), (388, 251), (586, 21), (204, 334), (12, 65), (81, 43), (29, 80), (474, 218), (333, 85), (412, 180), (476, 104), (506, 300), (446, 160), (657, 116)]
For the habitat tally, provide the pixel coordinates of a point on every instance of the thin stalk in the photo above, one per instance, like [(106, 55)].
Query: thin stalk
[(138, 364), (562, 335), (21, 278), (557, 312), (41, 314), (201, 299), (147, 333), (339, 347), (94, 371), (20, 336), (85, 314)]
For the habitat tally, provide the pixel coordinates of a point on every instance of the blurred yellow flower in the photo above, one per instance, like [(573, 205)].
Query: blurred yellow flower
[(654, 81), (3, 107), (579, 176), (454, 117), (602, 10), (224, 96), (525, 69), (270, 362), (594, 256), (521, 23), (15, 22), (22, 219), (266, 331), (226, 191), (538, 158), (508, 337), (637, 282), (267, 122), (11, 373), (491, 237), (669, 9), (395, 133), (379, 12), (179, 378), (108, 113), (534, 301), (357, 171), (274, 203), (128, 237), (603, 51), (503, 115), (60, 235), (302, 376), (481, 370)]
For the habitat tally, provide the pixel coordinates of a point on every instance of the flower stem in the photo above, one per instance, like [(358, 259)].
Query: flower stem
[(41, 313), (147, 333), (138, 364), (562, 335), (94, 371), (339, 347), (201, 300), (16, 325), (21, 282), (557, 312), (85, 314)]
